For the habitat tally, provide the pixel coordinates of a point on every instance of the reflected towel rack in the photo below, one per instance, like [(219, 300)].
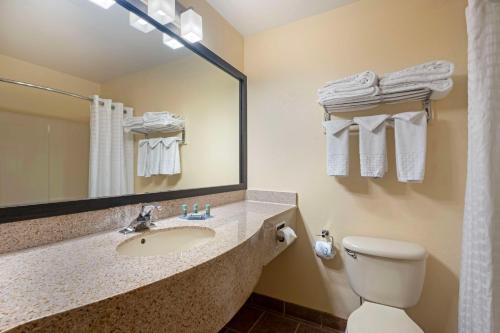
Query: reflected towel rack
[(423, 95), (148, 131)]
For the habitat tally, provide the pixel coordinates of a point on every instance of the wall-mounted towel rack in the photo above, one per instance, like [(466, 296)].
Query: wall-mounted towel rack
[(149, 131), (423, 95)]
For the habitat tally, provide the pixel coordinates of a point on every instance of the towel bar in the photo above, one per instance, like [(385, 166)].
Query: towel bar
[(426, 106)]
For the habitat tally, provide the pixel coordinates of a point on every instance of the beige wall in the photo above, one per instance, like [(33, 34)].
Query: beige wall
[(208, 99), (285, 66), (43, 159)]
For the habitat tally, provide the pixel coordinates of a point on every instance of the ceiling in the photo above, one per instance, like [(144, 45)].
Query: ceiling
[(79, 38), (252, 16)]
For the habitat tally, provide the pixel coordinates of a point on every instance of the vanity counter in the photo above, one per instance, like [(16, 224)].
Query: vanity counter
[(69, 281)]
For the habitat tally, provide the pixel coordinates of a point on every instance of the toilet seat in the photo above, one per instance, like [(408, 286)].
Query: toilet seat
[(377, 318)]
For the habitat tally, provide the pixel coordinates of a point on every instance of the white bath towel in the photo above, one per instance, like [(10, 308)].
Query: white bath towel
[(372, 145), (440, 88), (132, 122), (162, 121), (337, 147), (410, 131), (354, 82), (365, 94), (430, 71)]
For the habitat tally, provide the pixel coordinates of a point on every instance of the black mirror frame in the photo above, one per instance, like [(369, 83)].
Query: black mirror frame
[(34, 211)]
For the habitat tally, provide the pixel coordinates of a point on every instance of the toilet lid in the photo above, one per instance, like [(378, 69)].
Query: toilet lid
[(377, 318)]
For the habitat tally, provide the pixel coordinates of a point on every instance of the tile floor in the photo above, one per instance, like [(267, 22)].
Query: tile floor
[(253, 319)]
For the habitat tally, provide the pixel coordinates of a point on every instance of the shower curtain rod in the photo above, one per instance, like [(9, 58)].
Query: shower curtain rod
[(58, 91), (54, 90)]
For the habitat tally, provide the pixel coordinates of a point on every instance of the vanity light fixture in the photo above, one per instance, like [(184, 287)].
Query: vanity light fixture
[(191, 26), (103, 3), (171, 42), (140, 24), (162, 10)]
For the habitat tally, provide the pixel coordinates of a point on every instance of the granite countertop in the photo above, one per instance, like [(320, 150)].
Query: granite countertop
[(50, 279)]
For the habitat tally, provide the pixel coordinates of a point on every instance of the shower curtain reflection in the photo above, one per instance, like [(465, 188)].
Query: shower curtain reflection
[(111, 150)]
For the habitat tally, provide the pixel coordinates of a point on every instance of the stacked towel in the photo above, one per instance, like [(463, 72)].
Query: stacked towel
[(348, 92), (132, 122), (372, 145), (159, 156), (434, 75), (160, 121)]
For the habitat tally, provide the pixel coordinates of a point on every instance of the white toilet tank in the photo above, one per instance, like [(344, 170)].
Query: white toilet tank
[(385, 271)]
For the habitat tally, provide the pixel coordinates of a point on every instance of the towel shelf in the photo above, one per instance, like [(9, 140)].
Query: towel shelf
[(423, 95), (148, 131)]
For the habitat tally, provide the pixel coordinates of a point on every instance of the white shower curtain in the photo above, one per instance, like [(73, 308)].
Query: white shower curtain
[(479, 308), (111, 150)]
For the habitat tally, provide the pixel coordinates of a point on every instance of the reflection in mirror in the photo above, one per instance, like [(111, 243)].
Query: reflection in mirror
[(157, 119)]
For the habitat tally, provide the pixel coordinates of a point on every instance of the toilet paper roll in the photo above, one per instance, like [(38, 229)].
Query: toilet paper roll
[(286, 235), (324, 249)]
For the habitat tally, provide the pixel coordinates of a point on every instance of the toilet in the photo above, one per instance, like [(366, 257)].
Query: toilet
[(388, 275)]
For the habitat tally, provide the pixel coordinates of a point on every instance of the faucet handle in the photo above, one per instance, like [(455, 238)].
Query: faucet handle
[(146, 210)]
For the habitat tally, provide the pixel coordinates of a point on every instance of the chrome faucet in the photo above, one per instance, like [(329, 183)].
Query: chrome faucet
[(144, 221)]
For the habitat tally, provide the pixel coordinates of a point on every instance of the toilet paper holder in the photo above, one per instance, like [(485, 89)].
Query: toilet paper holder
[(329, 238), (278, 228)]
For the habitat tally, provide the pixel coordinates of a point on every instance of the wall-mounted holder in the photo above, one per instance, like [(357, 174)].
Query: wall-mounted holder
[(279, 236), (325, 249)]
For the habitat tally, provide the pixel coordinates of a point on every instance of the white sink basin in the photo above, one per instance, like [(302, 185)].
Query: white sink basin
[(161, 242)]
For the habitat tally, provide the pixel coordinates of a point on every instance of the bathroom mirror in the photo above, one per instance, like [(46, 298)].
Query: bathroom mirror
[(96, 113)]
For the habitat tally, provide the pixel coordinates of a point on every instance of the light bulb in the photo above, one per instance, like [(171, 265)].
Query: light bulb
[(171, 42), (191, 26), (139, 23), (162, 10), (103, 3)]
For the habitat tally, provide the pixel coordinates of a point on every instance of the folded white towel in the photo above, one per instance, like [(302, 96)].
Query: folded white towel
[(372, 145), (430, 71), (410, 131), (371, 93), (155, 116), (439, 88), (337, 147), (354, 82), (132, 122)]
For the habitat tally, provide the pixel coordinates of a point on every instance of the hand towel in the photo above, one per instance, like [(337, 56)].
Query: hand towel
[(169, 159), (158, 156), (143, 158), (372, 145), (430, 71), (337, 147), (410, 131)]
